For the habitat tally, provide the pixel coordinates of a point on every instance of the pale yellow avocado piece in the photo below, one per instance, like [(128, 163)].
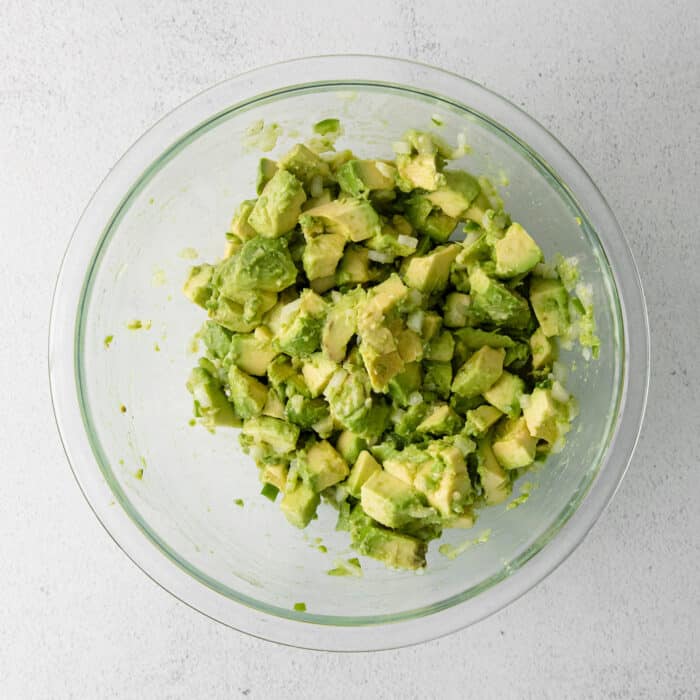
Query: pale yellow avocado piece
[(541, 414), (513, 445), (277, 209), (442, 489), (321, 466), (462, 522), (275, 474), (457, 309), (483, 417), (494, 480), (354, 266), (402, 468), (365, 466), (300, 504), (479, 372), (273, 406), (239, 224), (341, 325), (430, 273), (410, 345), (505, 393), (304, 164), (317, 371), (420, 170), (322, 254), (455, 196), (253, 353), (542, 350), (321, 285), (516, 253), (390, 501), (354, 218)]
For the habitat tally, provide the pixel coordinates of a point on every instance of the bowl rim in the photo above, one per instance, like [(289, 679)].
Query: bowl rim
[(301, 629)]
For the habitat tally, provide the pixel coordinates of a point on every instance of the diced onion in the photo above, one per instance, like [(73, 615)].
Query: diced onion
[(397, 414), (415, 321), (336, 380), (524, 401), (586, 352), (401, 147), (341, 493), (415, 398), (559, 393), (316, 186), (376, 256), (408, 241)]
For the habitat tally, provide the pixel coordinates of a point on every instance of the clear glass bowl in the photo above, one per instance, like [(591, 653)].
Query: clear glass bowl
[(176, 188)]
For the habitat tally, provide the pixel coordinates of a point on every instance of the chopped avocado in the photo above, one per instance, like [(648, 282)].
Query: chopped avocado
[(430, 273), (211, 404), (457, 307), (513, 445), (495, 481), (299, 505), (275, 474), (262, 265), (320, 466), (231, 315), (277, 209), (354, 266), (516, 253), (438, 377), (341, 325), (403, 385), (349, 446), (445, 487), (240, 227), (300, 333), (278, 434), (541, 415), (365, 466), (304, 164), (550, 303), (542, 350), (248, 395), (266, 169), (322, 254), (441, 420), (475, 338), (197, 287), (390, 501), (317, 370), (216, 339), (359, 177), (418, 162), (252, 352), (505, 393), (455, 196), (441, 348), (480, 419), (479, 372), (496, 302), (353, 218)]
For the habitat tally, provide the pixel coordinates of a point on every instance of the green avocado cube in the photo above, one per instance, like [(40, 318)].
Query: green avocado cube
[(441, 348), (495, 481), (248, 395), (349, 445), (322, 254), (475, 338), (516, 253), (353, 218), (278, 434), (253, 352), (210, 400), (480, 419), (364, 467), (304, 164), (430, 273), (542, 349), (457, 310), (354, 266), (299, 505), (438, 377), (441, 420), (542, 414), (479, 372), (240, 227), (300, 334), (550, 303), (277, 209), (513, 445), (317, 370), (402, 385), (320, 466), (390, 501), (216, 339), (458, 192), (197, 287), (266, 169), (505, 393), (360, 177), (495, 301), (230, 315)]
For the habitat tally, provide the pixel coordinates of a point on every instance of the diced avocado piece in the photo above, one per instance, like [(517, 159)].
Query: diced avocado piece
[(320, 466), (517, 356), (457, 307), (550, 303), (475, 248), (434, 224), (497, 302), (478, 208), (431, 325), (430, 273), (280, 370), (295, 384), (479, 372), (312, 202), (299, 505), (475, 338), (306, 412), (441, 348), (494, 480), (541, 415), (359, 177), (369, 421), (300, 334), (275, 474), (354, 218), (248, 395), (513, 445), (542, 350), (354, 266), (322, 284), (340, 325), (240, 227), (445, 487), (349, 445), (365, 466), (505, 393), (441, 420), (197, 287), (216, 339), (395, 550), (253, 353), (388, 242), (273, 406), (516, 253), (455, 196), (480, 419), (261, 265), (402, 385), (391, 501), (465, 521), (317, 370), (418, 171), (405, 464), (322, 254), (278, 434), (438, 377), (304, 164), (231, 315), (277, 209), (266, 169), (409, 345), (210, 400)]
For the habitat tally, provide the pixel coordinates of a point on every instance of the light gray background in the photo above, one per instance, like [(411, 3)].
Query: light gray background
[(617, 82)]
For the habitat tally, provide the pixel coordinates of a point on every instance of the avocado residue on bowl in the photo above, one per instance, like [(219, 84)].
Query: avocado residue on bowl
[(385, 338)]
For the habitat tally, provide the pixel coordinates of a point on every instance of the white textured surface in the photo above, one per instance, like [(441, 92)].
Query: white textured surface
[(618, 83)]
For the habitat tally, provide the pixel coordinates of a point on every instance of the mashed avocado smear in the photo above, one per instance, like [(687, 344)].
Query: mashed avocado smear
[(385, 338)]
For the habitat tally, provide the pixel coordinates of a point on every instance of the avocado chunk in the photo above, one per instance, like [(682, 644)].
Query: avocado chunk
[(278, 434), (266, 169), (341, 325), (479, 372), (322, 254), (299, 505), (445, 485), (277, 209), (516, 253), (197, 287), (365, 466), (505, 393), (441, 348), (550, 303), (275, 474), (457, 310), (541, 415), (419, 168), (455, 196), (402, 386), (354, 266), (475, 338), (480, 419), (210, 402), (317, 370), (496, 302), (438, 377), (320, 466), (216, 338), (353, 218), (430, 273), (252, 352), (360, 177), (513, 445), (231, 315), (441, 420), (542, 350), (248, 395), (391, 501), (349, 446), (300, 333), (304, 164), (240, 227), (495, 481)]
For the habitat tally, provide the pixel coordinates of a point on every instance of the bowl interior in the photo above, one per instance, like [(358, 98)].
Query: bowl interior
[(185, 500)]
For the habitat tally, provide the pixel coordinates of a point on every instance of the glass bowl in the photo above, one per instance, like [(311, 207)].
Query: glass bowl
[(122, 406)]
